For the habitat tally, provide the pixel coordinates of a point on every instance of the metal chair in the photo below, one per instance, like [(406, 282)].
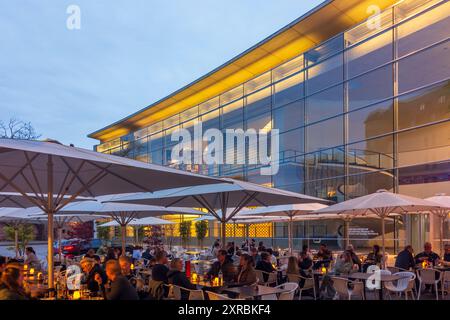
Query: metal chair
[(272, 278), (404, 285), (342, 288), (308, 284), (428, 276), (289, 295)]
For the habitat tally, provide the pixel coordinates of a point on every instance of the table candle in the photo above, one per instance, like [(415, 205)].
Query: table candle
[(31, 271), (216, 281), (324, 270), (194, 277), (76, 295)]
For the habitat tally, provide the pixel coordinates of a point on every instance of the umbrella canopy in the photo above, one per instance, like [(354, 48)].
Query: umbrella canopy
[(51, 171), (382, 204), (122, 213), (288, 210), (232, 193), (149, 221), (443, 213)]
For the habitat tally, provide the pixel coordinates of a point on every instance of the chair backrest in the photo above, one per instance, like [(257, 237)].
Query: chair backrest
[(385, 272), (407, 280), (446, 276), (260, 276), (393, 269), (289, 295), (195, 294), (341, 286), (176, 292), (216, 296), (293, 277), (427, 276), (272, 277)]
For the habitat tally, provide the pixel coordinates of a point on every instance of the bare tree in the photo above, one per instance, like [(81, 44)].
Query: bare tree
[(18, 129)]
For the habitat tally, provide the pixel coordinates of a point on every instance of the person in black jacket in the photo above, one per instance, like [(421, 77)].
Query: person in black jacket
[(178, 278), (265, 265), (119, 287), (224, 264), (160, 269), (405, 259), (427, 255)]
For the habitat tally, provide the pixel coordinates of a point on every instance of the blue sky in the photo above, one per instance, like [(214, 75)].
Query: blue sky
[(126, 55)]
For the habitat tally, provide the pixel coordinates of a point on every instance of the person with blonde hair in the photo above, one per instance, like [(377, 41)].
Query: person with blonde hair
[(177, 277), (292, 267), (119, 287), (11, 282)]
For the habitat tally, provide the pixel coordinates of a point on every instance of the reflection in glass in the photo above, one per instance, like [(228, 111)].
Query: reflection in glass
[(371, 121), (325, 104), (325, 74), (289, 117), (325, 134), (424, 106), (371, 154), (288, 90)]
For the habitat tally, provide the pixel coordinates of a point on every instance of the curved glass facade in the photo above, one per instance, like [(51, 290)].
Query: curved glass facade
[(368, 109)]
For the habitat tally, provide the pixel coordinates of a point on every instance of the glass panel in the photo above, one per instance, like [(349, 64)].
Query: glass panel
[(233, 115), (362, 184), (255, 176), (156, 141), (324, 50), (258, 103), (209, 105), (231, 95), (423, 145), (371, 154), (370, 88), (156, 156), (325, 134), (325, 74), (288, 68), (424, 30), (172, 121), (371, 121), (258, 83), (330, 189), (424, 68), (211, 120), (288, 90), (291, 143), (189, 114), (368, 28), (370, 54), (290, 173), (325, 164), (325, 104), (156, 127), (289, 117), (424, 106)]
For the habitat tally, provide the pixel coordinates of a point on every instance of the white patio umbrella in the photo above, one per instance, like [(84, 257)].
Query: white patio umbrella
[(289, 210), (51, 171), (231, 194), (443, 213), (122, 213), (149, 221), (381, 203)]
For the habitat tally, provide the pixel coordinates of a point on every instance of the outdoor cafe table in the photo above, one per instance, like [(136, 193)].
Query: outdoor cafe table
[(365, 276), (255, 291)]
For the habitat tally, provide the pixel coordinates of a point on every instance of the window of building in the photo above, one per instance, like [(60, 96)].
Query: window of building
[(289, 116), (288, 90), (325, 74), (325, 104), (325, 134)]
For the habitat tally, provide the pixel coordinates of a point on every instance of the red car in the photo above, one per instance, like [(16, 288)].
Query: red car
[(73, 247)]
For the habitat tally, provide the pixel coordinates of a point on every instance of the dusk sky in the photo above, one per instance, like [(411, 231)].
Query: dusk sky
[(125, 56)]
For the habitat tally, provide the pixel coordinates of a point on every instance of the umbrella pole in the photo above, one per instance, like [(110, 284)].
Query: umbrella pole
[(383, 241), (123, 230), (50, 211), (16, 241), (136, 230), (59, 244), (346, 233), (442, 235), (290, 234), (224, 233)]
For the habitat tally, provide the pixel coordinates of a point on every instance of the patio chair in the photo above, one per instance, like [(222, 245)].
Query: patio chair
[(404, 285), (271, 279), (216, 296), (289, 295), (193, 294), (428, 277), (308, 284), (445, 282), (341, 285), (394, 269)]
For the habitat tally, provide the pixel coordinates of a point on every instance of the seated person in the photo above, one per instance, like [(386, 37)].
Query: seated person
[(119, 287), (405, 259), (304, 261), (246, 272), (295, 269), (324, 257), (273, 259), (32, 260), (255, 255), (350, 249), (91, 254), (373, 258), (91, 269), (265, 265), (427, 255), (125, 268), (177, 277), (261, 247), (224, 264), (147, 256), (11, 282), (446, 261), (344, 264), (160, 269)]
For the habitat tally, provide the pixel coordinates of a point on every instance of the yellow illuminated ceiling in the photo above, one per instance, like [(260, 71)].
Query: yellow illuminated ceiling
[(321, 23)]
